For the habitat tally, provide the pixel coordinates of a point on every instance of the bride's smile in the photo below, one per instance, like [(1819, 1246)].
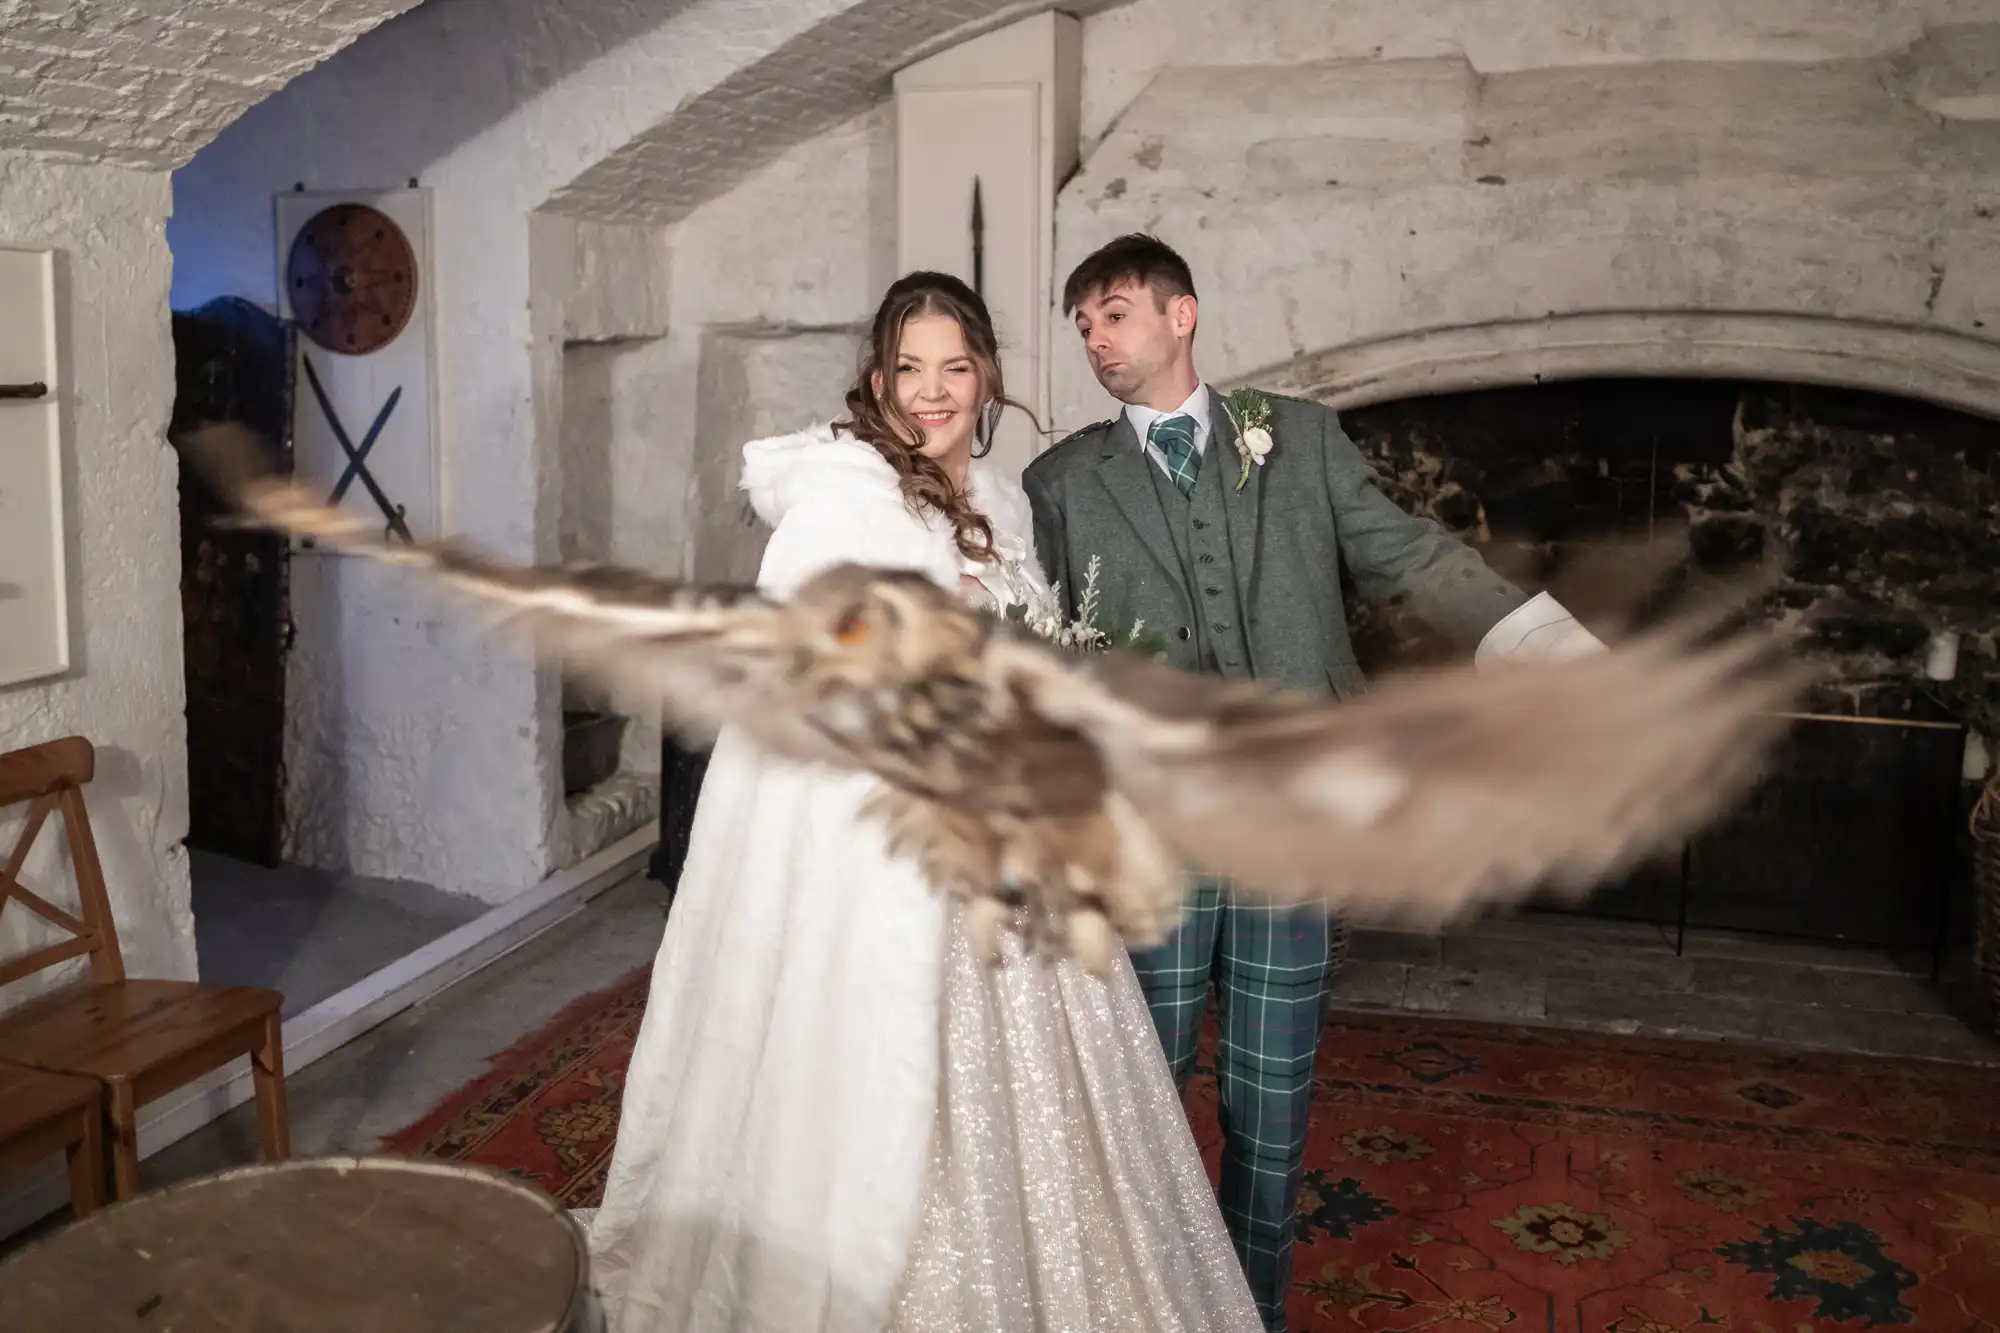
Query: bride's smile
[(937, 386)]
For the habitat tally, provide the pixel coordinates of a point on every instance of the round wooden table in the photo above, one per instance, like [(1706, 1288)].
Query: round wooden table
[(329, 1245)]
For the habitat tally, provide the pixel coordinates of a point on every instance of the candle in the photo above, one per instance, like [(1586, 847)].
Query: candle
[(1941, 658)]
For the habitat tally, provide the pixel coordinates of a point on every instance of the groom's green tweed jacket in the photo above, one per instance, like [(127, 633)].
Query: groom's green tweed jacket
[(1312, 507)]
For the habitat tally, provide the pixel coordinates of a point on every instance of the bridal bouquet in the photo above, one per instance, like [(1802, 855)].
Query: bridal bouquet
[(1044, 616)]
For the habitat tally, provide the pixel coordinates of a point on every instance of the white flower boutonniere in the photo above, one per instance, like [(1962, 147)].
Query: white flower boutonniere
[(1251, 413)]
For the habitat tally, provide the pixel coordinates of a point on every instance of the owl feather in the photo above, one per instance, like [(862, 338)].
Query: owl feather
[(1067, 796)]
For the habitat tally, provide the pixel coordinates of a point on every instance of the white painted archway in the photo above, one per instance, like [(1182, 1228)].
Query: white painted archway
[(1933, 365)]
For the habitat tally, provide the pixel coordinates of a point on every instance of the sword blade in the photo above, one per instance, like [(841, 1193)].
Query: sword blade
[(392, 513)]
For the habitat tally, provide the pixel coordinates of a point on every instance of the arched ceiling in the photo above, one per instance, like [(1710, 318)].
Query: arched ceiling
[(145, 83), (805, 87)]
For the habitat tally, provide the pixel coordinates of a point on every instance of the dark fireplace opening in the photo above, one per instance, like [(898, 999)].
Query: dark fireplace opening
[(1881, 517)]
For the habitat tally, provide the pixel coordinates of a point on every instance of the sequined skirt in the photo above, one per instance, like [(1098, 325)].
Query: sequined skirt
[(1065, 1191)]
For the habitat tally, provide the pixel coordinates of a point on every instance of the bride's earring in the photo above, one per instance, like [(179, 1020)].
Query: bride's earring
[(982, 438)]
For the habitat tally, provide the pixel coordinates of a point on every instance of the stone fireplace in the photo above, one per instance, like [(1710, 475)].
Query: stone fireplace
[(1879, 516), (1567, 270)]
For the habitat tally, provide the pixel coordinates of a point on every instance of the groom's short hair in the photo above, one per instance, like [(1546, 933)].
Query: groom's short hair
[(1137, 258)]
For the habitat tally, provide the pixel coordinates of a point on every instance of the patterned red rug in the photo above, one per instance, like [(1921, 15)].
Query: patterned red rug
[(546, 1111), (1473, 1177)]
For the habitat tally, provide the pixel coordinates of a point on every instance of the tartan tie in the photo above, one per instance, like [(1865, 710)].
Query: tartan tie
[(1174, 438)]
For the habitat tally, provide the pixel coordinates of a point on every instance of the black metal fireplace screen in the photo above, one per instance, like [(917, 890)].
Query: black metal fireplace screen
[(1850, 839)]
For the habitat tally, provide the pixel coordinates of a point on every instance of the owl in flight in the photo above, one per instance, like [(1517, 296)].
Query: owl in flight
[(1066, 795)]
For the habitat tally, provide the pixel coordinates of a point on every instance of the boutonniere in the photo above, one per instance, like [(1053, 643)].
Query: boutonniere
[(1251, 413)]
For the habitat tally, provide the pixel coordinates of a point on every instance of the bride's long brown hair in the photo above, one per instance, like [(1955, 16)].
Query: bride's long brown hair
[(881, 421)]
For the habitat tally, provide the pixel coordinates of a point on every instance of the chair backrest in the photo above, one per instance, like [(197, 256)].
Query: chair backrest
[(51, 776)]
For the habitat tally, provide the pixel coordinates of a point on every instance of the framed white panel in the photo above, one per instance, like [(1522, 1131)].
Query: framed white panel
[(945, 139), (34, 588), (402, 462)]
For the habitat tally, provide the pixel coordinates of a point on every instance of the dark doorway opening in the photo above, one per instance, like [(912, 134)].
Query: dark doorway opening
[(233, 363)]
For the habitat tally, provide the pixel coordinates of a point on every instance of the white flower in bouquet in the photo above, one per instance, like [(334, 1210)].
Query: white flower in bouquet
[(1081, 635)]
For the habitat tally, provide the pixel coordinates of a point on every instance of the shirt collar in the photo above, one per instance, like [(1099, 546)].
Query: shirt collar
[(1196, 406)]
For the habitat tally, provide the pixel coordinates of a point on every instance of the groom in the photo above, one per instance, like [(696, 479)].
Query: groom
[(1242, 576)]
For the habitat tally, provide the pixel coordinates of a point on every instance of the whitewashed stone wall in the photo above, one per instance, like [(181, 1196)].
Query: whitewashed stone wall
[(1393, 196), (417, 752), (771, 286), (774, 286), (125, 690)]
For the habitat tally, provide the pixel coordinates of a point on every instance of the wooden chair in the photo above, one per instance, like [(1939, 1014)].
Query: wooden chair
[(41, 1113), (138, 1039)]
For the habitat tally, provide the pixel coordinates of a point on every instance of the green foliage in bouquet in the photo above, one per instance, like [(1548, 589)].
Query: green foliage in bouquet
[(1083, 635)]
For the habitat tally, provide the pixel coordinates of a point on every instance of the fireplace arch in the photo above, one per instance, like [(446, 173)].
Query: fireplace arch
[(1928, 364)]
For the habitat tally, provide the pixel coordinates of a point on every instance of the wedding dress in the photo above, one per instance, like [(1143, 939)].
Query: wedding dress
[(835, 1119)]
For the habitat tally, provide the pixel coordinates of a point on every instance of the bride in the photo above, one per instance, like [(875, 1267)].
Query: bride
[(835, 1117)]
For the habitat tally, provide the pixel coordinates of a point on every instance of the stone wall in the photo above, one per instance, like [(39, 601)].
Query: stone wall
[(1878, 517), (750, 327), (427, 754), (1448, 179), (121, 499), (774, 284)]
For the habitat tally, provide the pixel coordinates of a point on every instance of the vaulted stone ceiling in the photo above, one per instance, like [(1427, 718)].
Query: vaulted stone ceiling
[(835, 71), (146, 83)]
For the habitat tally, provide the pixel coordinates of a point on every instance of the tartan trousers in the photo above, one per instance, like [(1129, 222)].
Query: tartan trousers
[(1270, 968)]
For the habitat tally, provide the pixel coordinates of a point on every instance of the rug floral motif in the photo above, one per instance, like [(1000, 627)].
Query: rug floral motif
[(1465, 1177), (546, 1112), (1469, 1176)]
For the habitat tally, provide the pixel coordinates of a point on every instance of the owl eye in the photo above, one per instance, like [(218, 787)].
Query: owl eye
[(852, 629)]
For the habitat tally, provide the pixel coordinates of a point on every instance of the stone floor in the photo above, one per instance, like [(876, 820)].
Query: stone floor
[(1609, 976), (308, 933), (393, 1073)]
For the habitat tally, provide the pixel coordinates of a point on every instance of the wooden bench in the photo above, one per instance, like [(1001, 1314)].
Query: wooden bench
[(43, 1113), (137, 1039)]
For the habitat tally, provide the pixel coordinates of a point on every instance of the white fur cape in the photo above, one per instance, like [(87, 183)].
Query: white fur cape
[(777, 1115)]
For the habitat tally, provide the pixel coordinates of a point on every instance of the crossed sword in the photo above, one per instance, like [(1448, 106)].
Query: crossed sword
[(357, 467)]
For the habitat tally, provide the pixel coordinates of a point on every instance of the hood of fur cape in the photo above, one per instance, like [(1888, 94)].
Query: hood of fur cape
[(780, 471)]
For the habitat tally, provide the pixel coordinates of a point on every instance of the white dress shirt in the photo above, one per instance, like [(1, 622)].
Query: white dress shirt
[(1196, 406)]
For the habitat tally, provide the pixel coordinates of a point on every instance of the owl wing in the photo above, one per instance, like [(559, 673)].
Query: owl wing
[(707, 655), (1437, 791)]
